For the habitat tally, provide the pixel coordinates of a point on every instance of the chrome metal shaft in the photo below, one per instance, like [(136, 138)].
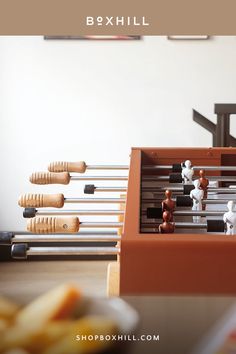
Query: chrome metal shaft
[(110, 189), (211, 178), (98, 178), (180, 189), (178, 225), (159, 167), (45, 212), (80, 233), (101, 224), (190, 225), (204, 201), (217, 201), (95, 200), (163, 189), (107, 167), (207, 168), (10, 237), (194, 213), (54, 212), (65, 238), (199, 213), (71, 251)]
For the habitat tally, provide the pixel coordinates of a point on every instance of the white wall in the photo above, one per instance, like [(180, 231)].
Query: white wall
[(93, 100)]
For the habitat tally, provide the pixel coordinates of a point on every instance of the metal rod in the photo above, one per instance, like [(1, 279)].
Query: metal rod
[(204, 201), (107, 167), (80, 233), (98, 178), (207, 168), (71, 251), (53, 212), (217, 201), (180, 189), (123, 201), (145, 178), (144, 189), (65, 238), (110, 189), (199, 213), (101, 224), (178, 225), (221, 190), (159, 167), (190, 225), (211, 178), (162, 189), (194, 213), (95, 200)]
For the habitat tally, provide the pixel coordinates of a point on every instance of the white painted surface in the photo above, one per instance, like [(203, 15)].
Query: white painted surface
[(93, 100)]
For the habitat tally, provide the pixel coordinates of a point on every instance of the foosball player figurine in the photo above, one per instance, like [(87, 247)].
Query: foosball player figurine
[(187, 172), (197, 195), (230, 219), (168, 204), (166, 227), (204, 182)]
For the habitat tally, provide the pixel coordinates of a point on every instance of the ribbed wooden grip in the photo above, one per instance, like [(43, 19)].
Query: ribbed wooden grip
[(50, 225), (41, 200), (50, 178), (61, 166)]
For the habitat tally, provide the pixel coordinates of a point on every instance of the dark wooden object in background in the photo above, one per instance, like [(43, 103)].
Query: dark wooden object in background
[(221, 130)]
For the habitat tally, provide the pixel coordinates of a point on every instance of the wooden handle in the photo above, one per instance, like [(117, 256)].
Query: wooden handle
[(50, 225), (50, 178), (61, 166), (41, 200)]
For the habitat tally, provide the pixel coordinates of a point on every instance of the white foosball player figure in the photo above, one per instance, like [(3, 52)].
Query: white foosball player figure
[(230, 219), (187, 172), (197, 195)]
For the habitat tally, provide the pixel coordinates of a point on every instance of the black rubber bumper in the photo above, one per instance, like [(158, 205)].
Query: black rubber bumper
[(19, 251), (176, 167), (215, 225), (6, 237), (188, 188), (175, 178), (184, 201), (29, 212), (89, 189), (154, 213)]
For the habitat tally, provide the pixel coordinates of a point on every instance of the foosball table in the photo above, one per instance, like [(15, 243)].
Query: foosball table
[(175, 224)]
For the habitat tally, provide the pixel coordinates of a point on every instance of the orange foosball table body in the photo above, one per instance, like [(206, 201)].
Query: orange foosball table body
[(189, 263)]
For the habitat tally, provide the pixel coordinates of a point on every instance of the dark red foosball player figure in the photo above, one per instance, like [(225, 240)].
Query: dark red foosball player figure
[(167, 227), (168, 204), (204, 182)]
